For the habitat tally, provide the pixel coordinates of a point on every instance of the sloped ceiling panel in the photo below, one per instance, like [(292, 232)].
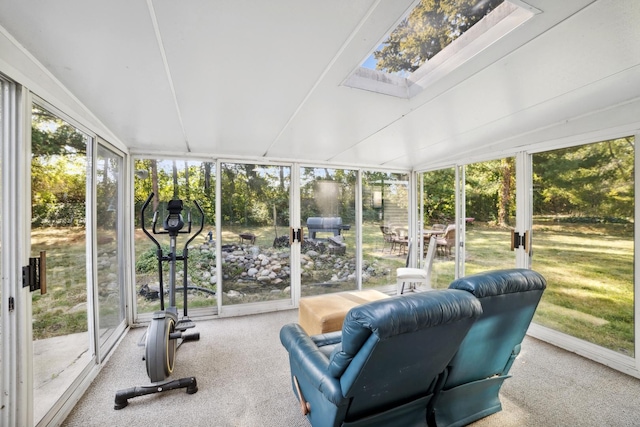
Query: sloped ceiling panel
[(241, 68), (106, 54)]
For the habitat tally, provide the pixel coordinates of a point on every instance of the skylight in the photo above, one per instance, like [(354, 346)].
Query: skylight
[(434, 38), (430, 27)]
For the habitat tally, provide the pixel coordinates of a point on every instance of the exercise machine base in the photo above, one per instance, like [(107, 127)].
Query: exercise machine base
[(123, 396)]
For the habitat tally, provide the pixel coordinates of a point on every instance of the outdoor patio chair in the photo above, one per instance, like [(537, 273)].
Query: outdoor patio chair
[(446, 241), (401, 239), (420, 277), (388, 236)]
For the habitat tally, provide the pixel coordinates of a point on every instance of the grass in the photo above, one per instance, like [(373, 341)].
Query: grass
[(588, 267), (63, 309), (589, 272)]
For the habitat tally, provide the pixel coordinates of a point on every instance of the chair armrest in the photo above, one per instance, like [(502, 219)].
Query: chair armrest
[(330, 338), (308, 364)]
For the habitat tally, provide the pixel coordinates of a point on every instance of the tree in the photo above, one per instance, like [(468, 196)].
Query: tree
[(590, 180), (428, 29), (51, 136), (506, 202), (439, 196), (58, 170)]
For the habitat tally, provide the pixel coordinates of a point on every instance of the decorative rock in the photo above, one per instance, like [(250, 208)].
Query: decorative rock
[(234, 294)]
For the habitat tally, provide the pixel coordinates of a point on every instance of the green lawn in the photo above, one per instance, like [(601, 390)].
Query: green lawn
[(589, 272), (588, 267)]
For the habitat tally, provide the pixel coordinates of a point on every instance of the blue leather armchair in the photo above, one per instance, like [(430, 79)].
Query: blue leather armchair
[(384, 366), (476, 373)]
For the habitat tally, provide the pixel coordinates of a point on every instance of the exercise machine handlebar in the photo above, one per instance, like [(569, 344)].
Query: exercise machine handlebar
[(173, 223)]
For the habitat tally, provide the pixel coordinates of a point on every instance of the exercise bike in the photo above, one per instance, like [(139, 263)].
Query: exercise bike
[(165, 329)]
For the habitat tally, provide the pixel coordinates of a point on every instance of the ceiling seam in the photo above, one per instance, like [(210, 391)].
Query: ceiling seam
[(163, 54)]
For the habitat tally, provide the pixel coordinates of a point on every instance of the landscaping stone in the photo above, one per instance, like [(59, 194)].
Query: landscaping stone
[(250, 269)]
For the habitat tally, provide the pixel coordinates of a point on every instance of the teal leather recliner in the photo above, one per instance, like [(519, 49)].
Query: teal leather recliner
[(383, 368), (476, 373)]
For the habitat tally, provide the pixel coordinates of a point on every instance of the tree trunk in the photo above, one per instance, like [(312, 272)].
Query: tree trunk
[(154, 184), (175, 180), (504, 193)]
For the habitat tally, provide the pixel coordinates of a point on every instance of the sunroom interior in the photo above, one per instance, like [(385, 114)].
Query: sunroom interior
[(284, 116)]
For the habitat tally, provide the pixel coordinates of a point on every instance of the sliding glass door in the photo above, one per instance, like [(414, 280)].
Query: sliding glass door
[(489, 218), (583, 241), (110, 262), (255, 245), (328, 216), (61, 339)]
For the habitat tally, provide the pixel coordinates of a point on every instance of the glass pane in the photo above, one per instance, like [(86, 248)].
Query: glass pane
[(327, 209), (255, 233), (430, 27), (2, 142), (60, 322), (385, 204), (583, 241), (111, 304), (439, 207), (490, 194), (188, 181)]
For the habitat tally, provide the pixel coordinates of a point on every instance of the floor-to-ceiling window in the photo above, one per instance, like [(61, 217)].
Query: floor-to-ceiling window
[(110, 262), (582, 238), (385, 210), (3, 141), (583, 241), (490, 206), (61, 342), (439, 219), (255, 247), (327, 217), (483, 221), (189, 181)]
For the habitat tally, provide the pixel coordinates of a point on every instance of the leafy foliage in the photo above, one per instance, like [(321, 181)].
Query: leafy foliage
[(429, 28), (168, 179), (439, 196), (58, 170), (589, 180), (328, 192), (255, 194)]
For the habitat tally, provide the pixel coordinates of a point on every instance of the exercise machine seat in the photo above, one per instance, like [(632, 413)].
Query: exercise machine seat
[(385, 364), (476, 373)]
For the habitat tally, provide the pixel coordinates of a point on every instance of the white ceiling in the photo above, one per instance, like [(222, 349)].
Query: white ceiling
[(250, 78)]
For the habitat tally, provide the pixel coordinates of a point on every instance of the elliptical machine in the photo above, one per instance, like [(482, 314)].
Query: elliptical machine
[(165, 328)]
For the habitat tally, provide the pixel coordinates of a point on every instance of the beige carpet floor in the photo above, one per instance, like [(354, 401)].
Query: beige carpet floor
[(243, 379)]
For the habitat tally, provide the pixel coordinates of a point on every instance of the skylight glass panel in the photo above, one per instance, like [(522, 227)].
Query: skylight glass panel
[(430, 27)]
